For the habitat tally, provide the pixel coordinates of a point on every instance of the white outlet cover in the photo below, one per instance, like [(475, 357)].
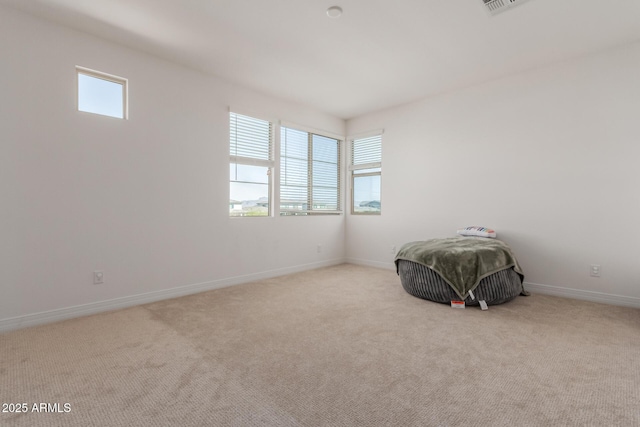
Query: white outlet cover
[(98, 277)]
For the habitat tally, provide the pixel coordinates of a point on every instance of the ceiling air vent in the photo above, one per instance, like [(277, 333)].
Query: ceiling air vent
[(496, 6)]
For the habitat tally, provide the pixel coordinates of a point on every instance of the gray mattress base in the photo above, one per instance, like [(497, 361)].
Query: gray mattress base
[(422, 282)]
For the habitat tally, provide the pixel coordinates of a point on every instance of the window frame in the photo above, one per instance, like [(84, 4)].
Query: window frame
[(364, 166), (310, 160), (270, 164), (107, 77)]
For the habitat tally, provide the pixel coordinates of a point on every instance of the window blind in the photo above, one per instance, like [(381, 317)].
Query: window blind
[(251, 162), (249, 138), (366, 151), (325, 173), (366, 174), (294, 169), (309, 173)]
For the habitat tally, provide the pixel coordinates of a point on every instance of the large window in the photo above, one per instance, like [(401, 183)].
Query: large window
[(251, 164), (101, 93), (309, 173), (366, 172)]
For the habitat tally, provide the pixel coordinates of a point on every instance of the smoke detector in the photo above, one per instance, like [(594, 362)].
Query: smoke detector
[(334, 12), (496, 6)]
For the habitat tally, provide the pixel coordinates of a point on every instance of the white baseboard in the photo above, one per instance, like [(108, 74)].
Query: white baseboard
[(386, 265), (133, 300), (124, 302), (579, 294)]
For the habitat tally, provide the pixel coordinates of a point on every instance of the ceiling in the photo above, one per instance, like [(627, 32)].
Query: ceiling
[(378, 54)]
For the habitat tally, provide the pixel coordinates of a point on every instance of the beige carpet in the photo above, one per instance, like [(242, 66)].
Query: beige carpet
[(339, 346)]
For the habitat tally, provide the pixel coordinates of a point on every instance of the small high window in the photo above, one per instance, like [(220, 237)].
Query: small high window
[(101, 93)]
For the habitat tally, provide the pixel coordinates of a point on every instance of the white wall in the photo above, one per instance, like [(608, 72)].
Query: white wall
[(144, 200), (549, 159)]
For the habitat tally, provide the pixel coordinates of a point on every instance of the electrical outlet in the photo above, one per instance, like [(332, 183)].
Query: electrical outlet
[(393, 250), (98, 277), (319, 249), (595, 270)]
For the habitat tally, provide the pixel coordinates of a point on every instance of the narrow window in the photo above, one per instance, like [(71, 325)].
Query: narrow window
[(251, 163), (366, 173), (101, 93), (309, 173)]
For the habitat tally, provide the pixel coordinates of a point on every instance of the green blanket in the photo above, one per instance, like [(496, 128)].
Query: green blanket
[(462, 261)]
